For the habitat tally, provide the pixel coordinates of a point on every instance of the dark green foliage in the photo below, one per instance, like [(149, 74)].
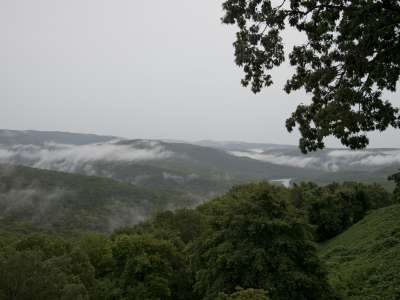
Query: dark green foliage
[(396, 192), (255, 240), (183, 224), (98, 248), (303, 194), (248, 294), (42, 267), (128, 267), (67, 202), (252, 243), (145, 266), (179, 229), (335, 207), (49, 246), (351, 55), (150, 268), (364, 261)]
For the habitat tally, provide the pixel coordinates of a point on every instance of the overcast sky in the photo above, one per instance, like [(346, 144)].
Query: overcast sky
[(138, 69)]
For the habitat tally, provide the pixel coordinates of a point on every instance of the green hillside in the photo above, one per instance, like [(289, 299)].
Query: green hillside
[(64, 201), (364, 261)]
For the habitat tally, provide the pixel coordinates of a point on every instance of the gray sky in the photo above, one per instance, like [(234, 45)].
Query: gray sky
[(140, 69)]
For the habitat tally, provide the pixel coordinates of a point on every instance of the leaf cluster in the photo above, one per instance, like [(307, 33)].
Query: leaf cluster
[(350, 56)]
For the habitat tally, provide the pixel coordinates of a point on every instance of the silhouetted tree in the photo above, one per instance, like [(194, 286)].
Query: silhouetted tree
[(350, 56)]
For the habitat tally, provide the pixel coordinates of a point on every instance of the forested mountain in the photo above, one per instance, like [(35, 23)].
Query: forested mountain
[(199, 170), (60, 192), (256, 242), (202, 170), (371, 165), (130, 188), (69, 202)]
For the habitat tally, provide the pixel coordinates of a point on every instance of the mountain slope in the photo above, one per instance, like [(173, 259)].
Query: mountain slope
[(212, 160), (199, 170), (202, 171), (63, 201), (364, 261)]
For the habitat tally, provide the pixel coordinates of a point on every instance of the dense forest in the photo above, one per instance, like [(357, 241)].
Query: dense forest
[(67, 202), (258, 241)]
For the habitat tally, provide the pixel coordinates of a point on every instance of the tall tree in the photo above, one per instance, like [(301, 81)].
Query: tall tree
[(351, 55), (256, 240), (396, 192)]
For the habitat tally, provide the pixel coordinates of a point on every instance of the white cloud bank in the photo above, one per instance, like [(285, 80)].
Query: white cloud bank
[(381, 158), (329, 160), (279, 159), (70, 157)]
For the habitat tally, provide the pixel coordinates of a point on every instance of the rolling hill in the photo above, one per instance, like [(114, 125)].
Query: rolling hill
[(364, 261), (200, 170), (204, 169), (64, 202)]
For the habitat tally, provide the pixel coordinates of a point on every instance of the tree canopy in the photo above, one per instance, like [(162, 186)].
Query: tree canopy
[(256, 240), (248, 294), (350, 57)]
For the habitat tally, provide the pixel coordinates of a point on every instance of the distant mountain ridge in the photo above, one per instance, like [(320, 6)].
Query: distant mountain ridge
[(237, 145), (47, 152), (34, 137), (204, 168), (329, 159)]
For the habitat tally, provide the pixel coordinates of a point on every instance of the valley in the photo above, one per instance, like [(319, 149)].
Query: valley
[(62, 194)]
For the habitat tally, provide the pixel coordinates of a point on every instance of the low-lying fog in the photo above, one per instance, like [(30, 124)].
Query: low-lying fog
[(69, 158)]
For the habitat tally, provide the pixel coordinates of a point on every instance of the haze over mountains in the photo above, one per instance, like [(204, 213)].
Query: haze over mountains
[(104, 182), (70, 185), (64, 201), (331, 159), (204, 167)]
